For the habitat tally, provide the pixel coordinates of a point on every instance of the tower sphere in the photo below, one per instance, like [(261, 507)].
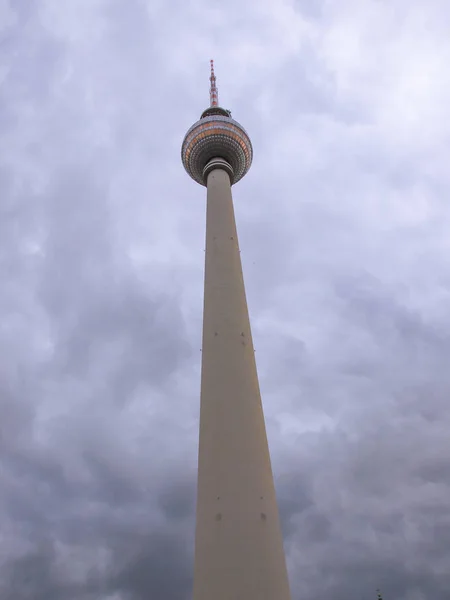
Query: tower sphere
[(216, 136)]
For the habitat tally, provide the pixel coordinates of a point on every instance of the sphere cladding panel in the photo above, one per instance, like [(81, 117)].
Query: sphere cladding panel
[(213, 137)]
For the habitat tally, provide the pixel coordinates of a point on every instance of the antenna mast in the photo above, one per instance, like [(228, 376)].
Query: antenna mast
[(213, 91)]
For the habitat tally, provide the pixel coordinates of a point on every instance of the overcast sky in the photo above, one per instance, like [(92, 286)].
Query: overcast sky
[(344, 222)]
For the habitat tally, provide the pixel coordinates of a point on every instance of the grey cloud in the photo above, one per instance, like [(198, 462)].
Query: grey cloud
[(101, 252)]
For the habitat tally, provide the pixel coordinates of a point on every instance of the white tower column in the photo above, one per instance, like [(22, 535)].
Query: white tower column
[(238, 548)]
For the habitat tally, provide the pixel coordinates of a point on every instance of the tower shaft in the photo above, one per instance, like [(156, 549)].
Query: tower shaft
[(238, 548)]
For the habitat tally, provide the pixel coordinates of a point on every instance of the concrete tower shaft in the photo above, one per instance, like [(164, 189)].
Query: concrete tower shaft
[(239, 548)]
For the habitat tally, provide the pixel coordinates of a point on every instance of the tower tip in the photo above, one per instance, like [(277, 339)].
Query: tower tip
[(213, 91)]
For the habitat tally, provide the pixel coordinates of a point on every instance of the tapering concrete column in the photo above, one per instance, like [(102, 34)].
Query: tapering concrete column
[(238, 548)]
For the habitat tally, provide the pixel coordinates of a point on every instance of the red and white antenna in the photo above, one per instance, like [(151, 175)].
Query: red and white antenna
[(213, 92)]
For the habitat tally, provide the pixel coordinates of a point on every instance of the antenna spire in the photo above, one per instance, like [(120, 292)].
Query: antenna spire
[(213, 92)]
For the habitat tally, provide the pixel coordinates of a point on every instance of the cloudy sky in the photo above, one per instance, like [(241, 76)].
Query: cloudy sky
[(344, 224)]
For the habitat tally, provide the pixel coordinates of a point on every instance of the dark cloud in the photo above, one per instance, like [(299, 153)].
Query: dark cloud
[(343, 228)]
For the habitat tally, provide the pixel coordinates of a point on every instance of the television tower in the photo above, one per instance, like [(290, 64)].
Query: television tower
[(238, 542)]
